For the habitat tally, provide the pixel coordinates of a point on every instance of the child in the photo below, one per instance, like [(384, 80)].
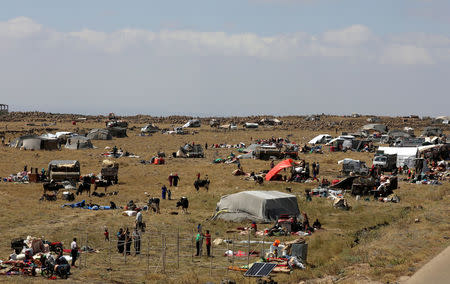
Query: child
[(106, 233)]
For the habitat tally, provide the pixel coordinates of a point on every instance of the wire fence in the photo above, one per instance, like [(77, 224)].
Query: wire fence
[(166, 252)]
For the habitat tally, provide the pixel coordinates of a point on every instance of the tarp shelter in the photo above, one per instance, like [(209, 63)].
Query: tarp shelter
[(320, 139), (99, 134), (375, 127), (33, 142), (405, 155), (78, 142), (258, 206), (281, 165), (432, 131), (150, 128), (192, 123)]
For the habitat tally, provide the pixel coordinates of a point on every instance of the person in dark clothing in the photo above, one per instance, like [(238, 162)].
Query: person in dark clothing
[(208, 243), (170, 179), (120, 240), (128, 241), (206, 146), (316, 224), (163, 192), (106, 233), (176, 178), (198, 243)]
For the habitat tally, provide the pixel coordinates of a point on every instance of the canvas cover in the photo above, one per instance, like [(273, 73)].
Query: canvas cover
[(84, 143), (99, 134), (405, 155), (281, 165), (258, 206), (322, 138)]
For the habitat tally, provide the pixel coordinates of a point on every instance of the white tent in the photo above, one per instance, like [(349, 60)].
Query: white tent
[(258, 206), (405, 155), (320, 139)]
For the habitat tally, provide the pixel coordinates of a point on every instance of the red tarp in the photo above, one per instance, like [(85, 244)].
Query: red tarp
[(281, 165)]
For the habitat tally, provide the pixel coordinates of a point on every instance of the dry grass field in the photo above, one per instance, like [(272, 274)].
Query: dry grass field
[(383, 254)]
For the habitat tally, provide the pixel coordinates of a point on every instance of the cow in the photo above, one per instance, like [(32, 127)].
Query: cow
[(85, 186), (103, 183), (153, 203), (202, 183), (52, 186), (183, 203)]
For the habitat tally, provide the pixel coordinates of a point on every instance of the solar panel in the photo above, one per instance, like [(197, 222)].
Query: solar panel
[(260, 269)]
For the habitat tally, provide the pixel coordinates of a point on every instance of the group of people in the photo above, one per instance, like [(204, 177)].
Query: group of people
[(199, 241), (125, 239), (173, 179)]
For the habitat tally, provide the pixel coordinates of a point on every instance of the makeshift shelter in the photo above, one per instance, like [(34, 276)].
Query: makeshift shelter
[(281, 165), (270, 121), (118, 132), (150, 128), (192, 123), (432, 131), (405, 155), (258, 206), (99, 134), (78, 142), (375, 128), (320, 139), (33, 142)]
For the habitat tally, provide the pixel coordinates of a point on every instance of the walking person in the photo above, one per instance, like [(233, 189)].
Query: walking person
[(176, 179), (170, 179), (74, 251), (139, 222), (208, 243), (137, 241), (163, 192)]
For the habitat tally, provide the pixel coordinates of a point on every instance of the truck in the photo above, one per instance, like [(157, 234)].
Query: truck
[(387, 162), (62, 170), (110, 171)]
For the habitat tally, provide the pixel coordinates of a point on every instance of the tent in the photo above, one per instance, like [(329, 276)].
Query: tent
[(33, 142), (375, 127), (320, 139), (281, 165), (258, 206), (192, 123), (150, 128), (78, 142), (99, 134), (405, 155)]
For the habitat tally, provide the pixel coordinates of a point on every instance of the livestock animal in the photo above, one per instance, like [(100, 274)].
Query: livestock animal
[(102, 183), (202, 183), (183, 203), (84, 187), (52, 186), (48, 197), (153, 202)]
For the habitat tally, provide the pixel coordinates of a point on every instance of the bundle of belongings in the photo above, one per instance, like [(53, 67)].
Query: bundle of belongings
[(287, 256), (118, 153), (34, 256), (90, 206), (20, 177)]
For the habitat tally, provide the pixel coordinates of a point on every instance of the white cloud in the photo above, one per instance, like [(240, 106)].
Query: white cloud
[(406, 54), (356, 42)]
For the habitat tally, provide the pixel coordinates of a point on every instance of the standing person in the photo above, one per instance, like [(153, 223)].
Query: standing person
[(74, 251), (163, 192), (128, 242), (139, 219), (176, 178), (169, 194), (198, 175), (272, 164), (208, 243), (137, 241), (206, 146), (314, 170), (170, 179), (198, 243), (3, 141), (238, 164), (106, 233), (120, 240), (317, 168)]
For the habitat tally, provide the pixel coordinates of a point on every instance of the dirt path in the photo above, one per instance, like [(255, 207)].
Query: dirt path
[(435, 271)]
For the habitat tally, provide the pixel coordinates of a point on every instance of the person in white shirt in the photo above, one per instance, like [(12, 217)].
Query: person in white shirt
[(74, 251), (139, 219)]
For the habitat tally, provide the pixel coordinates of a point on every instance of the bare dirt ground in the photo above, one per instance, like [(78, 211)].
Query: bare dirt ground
[(383, 254)]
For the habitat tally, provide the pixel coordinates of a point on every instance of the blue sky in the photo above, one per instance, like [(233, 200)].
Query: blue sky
[(221, 57)]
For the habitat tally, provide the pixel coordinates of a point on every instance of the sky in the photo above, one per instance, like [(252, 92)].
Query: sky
[(225, 58)]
